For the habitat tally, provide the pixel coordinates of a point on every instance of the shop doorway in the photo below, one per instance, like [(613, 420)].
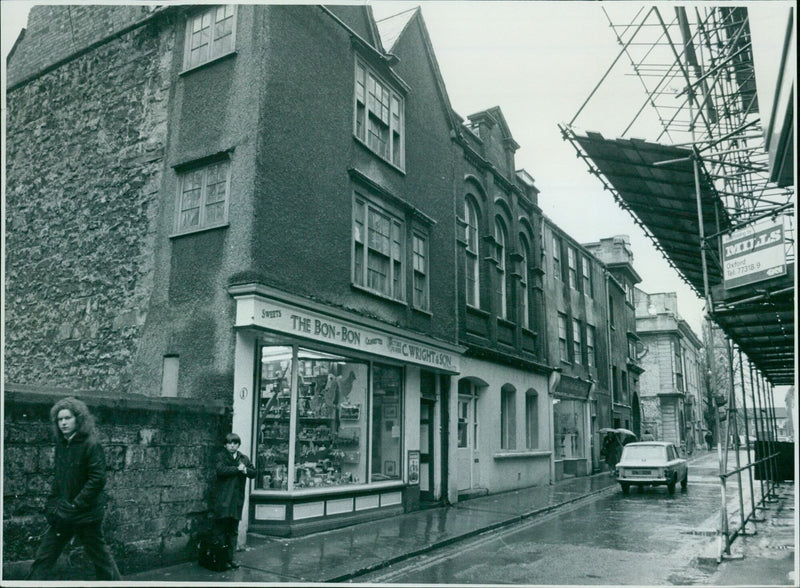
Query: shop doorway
[(467, 466), (426, 444)]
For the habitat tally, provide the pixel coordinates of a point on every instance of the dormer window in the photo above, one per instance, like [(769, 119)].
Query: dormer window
[(379, 116)]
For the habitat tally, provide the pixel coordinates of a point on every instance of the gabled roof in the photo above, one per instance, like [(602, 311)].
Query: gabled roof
[(391, 28), (495, 114)]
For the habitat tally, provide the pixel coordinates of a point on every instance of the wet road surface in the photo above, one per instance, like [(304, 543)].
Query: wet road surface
[(646, 538)]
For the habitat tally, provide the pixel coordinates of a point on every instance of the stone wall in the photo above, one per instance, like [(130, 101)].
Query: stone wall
[(84, 164), (159, 459)]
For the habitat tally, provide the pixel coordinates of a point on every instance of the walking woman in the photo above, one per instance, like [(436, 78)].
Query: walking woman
[(76, 505)]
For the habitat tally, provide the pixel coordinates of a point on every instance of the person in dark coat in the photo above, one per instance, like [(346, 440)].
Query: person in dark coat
[(233, 468), (76, 504)]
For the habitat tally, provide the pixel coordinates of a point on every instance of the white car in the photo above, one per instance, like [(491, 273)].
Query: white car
[(651, 463)]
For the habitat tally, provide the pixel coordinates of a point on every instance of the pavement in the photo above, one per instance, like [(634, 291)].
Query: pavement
[(342, 555)]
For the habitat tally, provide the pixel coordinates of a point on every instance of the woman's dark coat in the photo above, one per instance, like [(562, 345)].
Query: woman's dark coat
[(229, 493), (77, 496)]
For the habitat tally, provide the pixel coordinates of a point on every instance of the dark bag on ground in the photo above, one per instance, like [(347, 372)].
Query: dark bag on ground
[(212, 554)]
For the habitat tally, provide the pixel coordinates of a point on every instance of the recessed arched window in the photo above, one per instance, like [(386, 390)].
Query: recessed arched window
[(525, 252), (508, 417), (473, 267), (502, 252), (531, 419)]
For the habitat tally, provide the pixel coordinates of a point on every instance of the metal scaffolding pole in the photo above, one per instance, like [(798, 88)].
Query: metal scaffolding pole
[(747, 440), (760, 465)]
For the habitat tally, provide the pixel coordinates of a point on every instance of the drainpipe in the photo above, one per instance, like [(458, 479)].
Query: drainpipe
[(609, 371)]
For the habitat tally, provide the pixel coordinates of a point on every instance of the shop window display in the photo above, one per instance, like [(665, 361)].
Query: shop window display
[(330, 421), (568, 421)]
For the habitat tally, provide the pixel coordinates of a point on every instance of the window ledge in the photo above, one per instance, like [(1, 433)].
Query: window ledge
[(200, 230), (209, 62), (378, 294), (422, 311), (477, 311), (522, 454), (394, 166)]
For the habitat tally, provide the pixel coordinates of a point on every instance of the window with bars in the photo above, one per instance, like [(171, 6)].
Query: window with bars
[(210, 34), (419, 248), (379, 116), (473, 268), (378, 249), (203, 195)]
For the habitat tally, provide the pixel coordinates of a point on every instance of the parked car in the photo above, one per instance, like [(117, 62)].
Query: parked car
[(651, 463)]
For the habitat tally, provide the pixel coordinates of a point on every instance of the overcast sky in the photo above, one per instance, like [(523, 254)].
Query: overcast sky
[(538, 61)]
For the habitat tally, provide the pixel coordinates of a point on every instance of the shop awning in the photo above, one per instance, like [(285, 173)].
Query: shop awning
[(656, 184)]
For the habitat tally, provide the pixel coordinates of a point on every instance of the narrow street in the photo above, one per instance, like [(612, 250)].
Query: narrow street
[(646, 538)]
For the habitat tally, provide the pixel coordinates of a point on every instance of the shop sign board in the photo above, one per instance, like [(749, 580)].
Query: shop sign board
[(754, 253), (413, 466), (284, 318), (572, 388)]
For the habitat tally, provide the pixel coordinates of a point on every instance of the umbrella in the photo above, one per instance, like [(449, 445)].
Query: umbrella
[(625, 433)]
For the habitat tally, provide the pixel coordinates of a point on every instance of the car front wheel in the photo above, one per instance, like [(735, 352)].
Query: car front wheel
[(626, 488), (685, 481)]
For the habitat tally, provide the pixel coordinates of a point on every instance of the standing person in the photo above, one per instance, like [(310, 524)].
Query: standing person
[(233, 467), (76, 504), (648, 436), (709, 440)]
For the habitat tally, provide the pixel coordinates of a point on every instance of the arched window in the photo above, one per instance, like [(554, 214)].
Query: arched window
[(502, 252), (473, 268), (508, 417), (525, 251)]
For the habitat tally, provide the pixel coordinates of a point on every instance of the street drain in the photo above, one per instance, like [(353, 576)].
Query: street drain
[(703, 533)]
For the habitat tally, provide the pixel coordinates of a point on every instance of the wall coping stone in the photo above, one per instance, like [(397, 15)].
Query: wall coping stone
[(32, 394)]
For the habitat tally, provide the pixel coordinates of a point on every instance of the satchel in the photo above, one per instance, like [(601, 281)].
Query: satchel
[(211, 553)]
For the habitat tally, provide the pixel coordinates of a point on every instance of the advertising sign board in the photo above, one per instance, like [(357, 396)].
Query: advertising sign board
[(754, 253)]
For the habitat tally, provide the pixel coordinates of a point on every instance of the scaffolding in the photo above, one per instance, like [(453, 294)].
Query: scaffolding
[(704, 173)]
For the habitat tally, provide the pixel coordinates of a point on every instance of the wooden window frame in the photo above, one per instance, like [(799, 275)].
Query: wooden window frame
[(229, 11), (184, 175), (370, 110)]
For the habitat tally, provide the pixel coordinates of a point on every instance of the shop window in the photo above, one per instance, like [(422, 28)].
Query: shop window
[(563, 350), (203, 195), (569, 428), (572, 265), (387, 392), (210, 34), (508, 418), (420, 264), (473, 269), (379, 116), (330, 444), (378, 249), (531, 420)]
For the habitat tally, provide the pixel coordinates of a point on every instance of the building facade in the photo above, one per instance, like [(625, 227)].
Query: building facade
[(324, 258), (577, 341), (673, 386)]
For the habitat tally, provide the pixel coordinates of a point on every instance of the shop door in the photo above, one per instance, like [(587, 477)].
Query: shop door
[(426, 428), (464, 458)]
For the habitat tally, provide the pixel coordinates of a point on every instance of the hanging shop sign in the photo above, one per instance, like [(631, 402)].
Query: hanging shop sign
[(572, 388), (284, 318), (754, 253)]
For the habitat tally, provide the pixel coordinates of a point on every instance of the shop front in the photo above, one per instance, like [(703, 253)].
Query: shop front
[(342, 417), (571, 427)]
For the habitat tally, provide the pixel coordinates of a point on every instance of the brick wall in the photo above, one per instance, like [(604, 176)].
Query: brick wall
[(55, 32), (85, 146), (159, 459)]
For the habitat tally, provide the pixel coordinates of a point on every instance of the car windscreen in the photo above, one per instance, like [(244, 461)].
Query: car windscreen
[(645, 453)]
